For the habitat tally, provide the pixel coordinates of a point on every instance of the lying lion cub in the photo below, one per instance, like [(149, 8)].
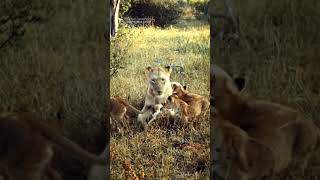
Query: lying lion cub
[(284, 130), (199, 104), (26, 147), (237, 156)]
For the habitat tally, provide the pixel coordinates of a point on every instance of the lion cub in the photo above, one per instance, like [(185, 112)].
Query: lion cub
[(118, 112), (159, 89), (198, 103), (26, 147), (179, 107), (237, 156)]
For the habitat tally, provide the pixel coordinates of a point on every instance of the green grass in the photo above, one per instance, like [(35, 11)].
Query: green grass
[(152, 152)]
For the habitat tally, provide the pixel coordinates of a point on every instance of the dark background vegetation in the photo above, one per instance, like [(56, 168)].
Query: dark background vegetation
[(52, 61), (165, 13), (275, 44)]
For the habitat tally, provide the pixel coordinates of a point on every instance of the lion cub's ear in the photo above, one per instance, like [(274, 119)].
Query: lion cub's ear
[(174, 86), (185, 87), (168, 69), (149, 68)]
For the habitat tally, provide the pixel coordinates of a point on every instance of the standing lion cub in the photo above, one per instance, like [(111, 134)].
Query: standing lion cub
[(159, 89), (119, 113), (26, 147)]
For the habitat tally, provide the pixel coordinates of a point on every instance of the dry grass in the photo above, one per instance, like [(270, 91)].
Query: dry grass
[(59, 72), (152, 154), (281, 61)]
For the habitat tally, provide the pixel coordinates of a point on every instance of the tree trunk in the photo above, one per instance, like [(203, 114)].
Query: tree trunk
[(114, 17)]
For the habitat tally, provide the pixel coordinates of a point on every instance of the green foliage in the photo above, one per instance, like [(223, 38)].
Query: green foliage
[(199, 5), (164, 12), (125, 5), (120, 49)]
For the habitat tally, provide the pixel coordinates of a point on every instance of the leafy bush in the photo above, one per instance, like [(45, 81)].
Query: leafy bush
[(120, 48), (164, 12), (200, 5), (125, 5)]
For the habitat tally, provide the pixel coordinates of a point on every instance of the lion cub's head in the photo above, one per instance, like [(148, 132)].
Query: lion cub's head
[(237, 155), (225, 90), (173, 104), (178, 89), (159, 79)]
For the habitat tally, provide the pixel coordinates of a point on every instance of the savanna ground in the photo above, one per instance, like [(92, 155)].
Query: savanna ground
[(152, 154), (278, 51)]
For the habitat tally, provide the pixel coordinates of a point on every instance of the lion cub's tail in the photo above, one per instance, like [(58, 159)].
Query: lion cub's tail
[(64, 142), (130, 106)]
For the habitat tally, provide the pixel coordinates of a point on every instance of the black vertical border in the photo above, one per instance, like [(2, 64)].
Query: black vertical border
[(106, 63), (212, 80), (211, 95)]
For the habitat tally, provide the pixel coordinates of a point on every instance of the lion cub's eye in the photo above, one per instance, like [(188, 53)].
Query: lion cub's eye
[(175, 93), (153, 81), (162, 79)]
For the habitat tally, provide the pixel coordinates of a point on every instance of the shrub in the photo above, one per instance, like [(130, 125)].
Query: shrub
[(120, 48), (125, 5), (164, 12), (200, 5)]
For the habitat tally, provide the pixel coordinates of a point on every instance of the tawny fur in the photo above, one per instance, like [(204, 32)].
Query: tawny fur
[(237, 156), (26, 147), (180, 108), (118, 113), (198, 103)]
